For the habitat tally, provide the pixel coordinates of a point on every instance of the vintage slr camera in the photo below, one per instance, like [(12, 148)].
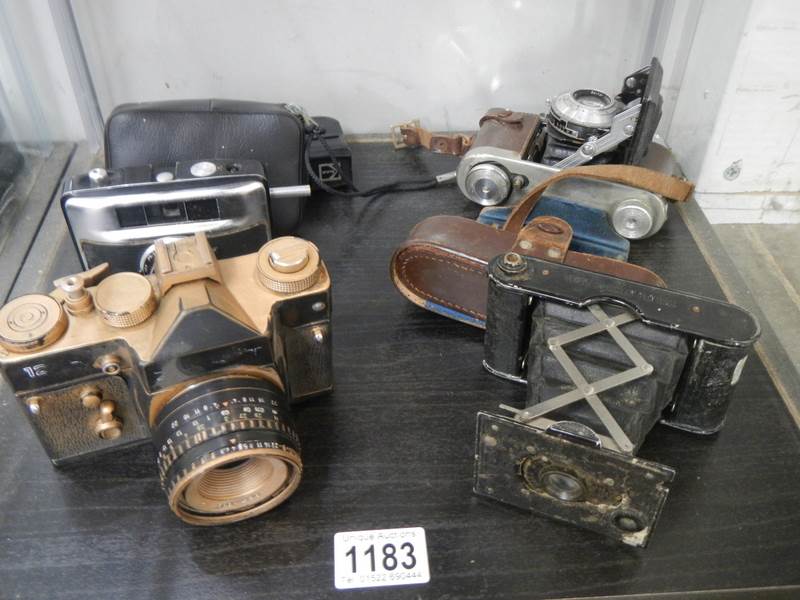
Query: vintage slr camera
[(202, 356), (116, 215), (515, 151), (604, 359)]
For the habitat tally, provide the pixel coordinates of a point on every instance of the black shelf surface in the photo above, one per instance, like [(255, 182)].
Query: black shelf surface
[(393, 447)]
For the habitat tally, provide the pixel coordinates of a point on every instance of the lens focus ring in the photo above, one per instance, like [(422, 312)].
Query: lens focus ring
[(227, 450)]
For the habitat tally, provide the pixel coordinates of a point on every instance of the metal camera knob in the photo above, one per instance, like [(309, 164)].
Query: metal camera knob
[(125, 299), (288, 265), (31, 322), (204, 168), (487, 184), (98, 176), (108, 426), (633, 219)]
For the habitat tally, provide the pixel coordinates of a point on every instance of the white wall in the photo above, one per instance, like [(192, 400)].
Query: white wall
[(370, 63), (749, 170), (705, 37)]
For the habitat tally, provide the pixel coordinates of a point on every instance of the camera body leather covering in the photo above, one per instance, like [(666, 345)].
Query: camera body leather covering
[(163, 133)]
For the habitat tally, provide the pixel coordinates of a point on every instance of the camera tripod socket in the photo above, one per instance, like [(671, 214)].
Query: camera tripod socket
[(31, 322), (288, 265)]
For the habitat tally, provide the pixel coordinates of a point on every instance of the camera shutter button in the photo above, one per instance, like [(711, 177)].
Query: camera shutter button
[(288, 265), (290, 258), (165, 176), (203, 168), (125, 299)]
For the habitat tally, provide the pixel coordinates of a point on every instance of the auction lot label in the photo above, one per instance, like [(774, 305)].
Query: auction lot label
[(380, 557)]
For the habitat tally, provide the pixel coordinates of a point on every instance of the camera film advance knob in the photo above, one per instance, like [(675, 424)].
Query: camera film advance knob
[(288, 265), (125, 299), (31, 322)]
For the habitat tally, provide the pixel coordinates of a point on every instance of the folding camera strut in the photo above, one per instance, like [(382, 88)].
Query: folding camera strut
[(588, 391)]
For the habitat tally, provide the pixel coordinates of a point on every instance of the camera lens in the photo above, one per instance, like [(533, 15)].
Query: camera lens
[(227, 450), (593, 99), (562, 486), (576, 116)]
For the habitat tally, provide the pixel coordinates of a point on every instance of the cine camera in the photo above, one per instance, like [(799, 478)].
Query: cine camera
[(115, 216)]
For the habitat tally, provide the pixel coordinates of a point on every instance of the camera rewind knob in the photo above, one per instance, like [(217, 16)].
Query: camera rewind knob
[(288, 265), (31, 322), (125, 299)]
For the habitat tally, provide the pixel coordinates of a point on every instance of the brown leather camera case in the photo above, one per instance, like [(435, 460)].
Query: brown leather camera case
[(442, 264)]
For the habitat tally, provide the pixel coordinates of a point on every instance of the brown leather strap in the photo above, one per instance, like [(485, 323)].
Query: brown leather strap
[(545, 237), (503, 116), (411, 134), (672, 188)]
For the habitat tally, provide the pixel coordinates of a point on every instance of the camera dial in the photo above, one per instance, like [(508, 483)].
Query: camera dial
[(31, 322), (125, 299), (288, 265)]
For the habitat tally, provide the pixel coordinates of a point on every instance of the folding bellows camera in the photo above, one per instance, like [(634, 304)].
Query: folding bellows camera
[(604, 359)]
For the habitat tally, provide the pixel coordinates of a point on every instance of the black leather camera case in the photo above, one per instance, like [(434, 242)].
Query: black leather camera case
[(163, 133)]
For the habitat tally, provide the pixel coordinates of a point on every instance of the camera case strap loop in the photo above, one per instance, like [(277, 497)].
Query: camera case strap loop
[(411, 134), (546, 237)]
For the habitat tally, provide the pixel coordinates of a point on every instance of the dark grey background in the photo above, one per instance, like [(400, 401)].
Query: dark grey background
[(393, 447)]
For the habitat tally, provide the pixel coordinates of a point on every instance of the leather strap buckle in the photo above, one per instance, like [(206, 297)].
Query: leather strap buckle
[(455, 144), (398, 135), (411, 134)]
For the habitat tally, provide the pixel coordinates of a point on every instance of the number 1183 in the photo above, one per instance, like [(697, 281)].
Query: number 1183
[(390, 557)]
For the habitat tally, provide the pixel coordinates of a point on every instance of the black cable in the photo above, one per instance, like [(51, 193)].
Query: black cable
[(402, 185)]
